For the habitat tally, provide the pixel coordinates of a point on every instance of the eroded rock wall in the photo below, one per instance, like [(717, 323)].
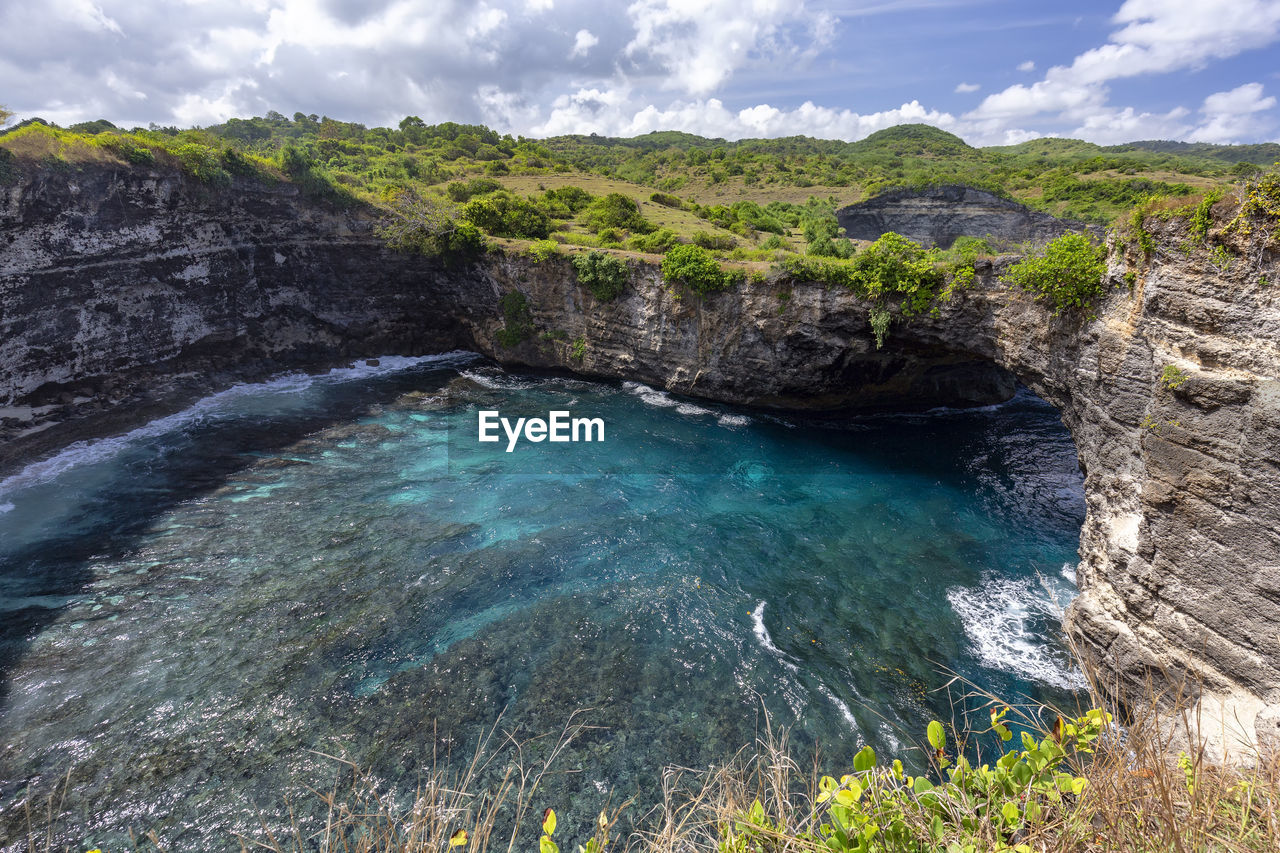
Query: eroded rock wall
[(936, 216)]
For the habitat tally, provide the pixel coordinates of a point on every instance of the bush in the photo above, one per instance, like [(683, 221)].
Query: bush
[(666, 200), (544, 250), (880, 807), (616, 211), (602, 274), (505, 214), (461, 191), (127, 148), (826, 247), (428, 224), (202, 163), (718, 242), (659, 241), (694, 267), (310, 178), (1067, 272), (517, 318), (573, 198)]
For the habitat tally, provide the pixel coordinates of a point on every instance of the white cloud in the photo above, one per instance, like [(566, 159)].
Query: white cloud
[(87, 15), (582, 43), (729, 68), (619, 112), (700, 45), (1232, 116), (1029, 65), (1156, 36)]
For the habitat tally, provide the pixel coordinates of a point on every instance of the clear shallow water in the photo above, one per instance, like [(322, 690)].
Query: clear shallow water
[(330, 564)]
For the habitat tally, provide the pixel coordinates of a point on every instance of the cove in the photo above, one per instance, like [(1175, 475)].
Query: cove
[(318, 564)]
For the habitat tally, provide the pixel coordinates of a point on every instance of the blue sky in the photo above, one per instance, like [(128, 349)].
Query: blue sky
[(993, 71)]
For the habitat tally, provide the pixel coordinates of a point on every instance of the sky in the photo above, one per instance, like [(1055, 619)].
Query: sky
[(992, 71)]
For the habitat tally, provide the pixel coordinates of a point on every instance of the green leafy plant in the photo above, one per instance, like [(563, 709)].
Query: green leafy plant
[(1221, 257), (880, 318), (1138, 230), (1202, 215), (578, 349), (1067, 272), (666, 200), (988, 806), (517, 318), (1172, 377), (506, 214), (544, 250), (616, 210), (602, 274), (694, 267)]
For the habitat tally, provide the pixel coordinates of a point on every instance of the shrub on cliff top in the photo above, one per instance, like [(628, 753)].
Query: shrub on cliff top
[(694, 267), (602, 274), (1067, 272), (505, 214), (891, 266)]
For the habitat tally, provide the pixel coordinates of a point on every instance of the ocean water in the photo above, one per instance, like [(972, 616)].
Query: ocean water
[(194, 615)]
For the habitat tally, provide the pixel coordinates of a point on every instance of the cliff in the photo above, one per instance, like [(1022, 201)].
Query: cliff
[(936, 216), (126, 290)]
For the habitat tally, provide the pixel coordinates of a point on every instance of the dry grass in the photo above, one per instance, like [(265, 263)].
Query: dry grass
[(37, 143), (1141, 796)]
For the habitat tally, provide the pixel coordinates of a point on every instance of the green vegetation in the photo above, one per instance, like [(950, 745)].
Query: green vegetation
[(1067, 272), (616, 211), (1220, 257), (504, 214), (602, 274), (694, 267), (517, 318), (1202, 216), (578, 349), (1172, 377), (715, 211), (892, 266)]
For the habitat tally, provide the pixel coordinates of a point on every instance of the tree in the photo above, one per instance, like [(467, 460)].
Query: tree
[(5, 115), (419, 223)]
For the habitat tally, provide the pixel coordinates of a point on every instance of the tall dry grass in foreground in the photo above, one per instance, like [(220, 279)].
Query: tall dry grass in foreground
[(1024, 779), (1071, 783)]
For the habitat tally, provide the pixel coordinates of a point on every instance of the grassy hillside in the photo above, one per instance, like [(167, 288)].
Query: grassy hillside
[(745, 200)]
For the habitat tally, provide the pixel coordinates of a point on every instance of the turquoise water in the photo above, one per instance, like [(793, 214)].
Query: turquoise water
[(333, 564)]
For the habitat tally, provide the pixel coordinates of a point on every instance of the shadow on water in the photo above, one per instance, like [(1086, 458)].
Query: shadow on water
[(50, 571)]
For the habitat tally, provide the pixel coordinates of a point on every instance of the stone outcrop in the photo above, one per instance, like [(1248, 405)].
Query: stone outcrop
[(936, 216), (112, 284)]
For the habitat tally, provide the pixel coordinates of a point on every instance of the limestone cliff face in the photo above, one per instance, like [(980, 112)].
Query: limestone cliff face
[(936, 216), (122, 291), (115, 287)]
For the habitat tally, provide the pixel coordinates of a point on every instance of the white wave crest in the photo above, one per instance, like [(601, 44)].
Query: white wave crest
[(999, 618), (499, 381), (101, 449), (650, 396)]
